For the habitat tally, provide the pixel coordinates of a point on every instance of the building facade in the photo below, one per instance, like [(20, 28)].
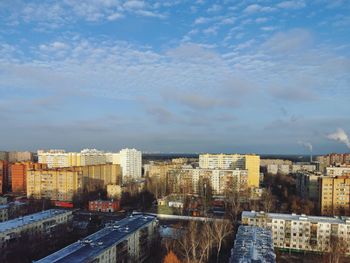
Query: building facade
[(194, 181), (54, 184), (4, 176), (131, 163), (338, 170), (248, 162), (39, 223), (301, 232), (106, 206), (19, 175), (127, 240), (20, 157), (334, 195)]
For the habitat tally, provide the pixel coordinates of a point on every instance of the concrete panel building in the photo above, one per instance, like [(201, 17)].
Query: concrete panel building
[(301, 232), (334, 195), (128, 240), (234, 161), (253, 244), (39, 223)]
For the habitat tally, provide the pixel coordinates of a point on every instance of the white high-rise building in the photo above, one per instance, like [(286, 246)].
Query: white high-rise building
[(131, 162)]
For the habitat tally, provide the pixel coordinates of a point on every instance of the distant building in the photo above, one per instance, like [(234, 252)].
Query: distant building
[(307, 185), (131, 163), (198, 181), (234, 161), (4, 156), (128, 240), (4, 176), (40, 223), (253, 245), (4, 216), (266, 162), (290, 168), (104, 205), (20, 157), (301, 232), (338, 170), (334, 195)]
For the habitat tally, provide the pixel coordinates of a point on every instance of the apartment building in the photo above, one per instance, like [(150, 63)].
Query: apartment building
[(61, 184), (338, 170), (4, 168), (307, 185), (20, 157), (100, 175), (55, 184), (334, 195), (192, 181), (301, 232), (290, 168), (19, 175), (253, 244), (60, 158), (40, 223), (127, 240), (234, 161), (131, 163)]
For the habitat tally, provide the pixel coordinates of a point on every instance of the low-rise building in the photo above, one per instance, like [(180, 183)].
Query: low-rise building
[(301, 232), (40, 223), (128, 240), (253, 245), (104, 205)]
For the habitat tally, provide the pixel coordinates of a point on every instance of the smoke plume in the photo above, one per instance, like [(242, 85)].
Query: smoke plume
[(340, 136), (306, 145)]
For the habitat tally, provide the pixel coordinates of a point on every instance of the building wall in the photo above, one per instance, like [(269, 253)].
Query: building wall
[(60, 185), (3, 176), (10, 235), (131, 163), (300, 232), (335, 195), (104, 206), (20, 156), (233, 161)]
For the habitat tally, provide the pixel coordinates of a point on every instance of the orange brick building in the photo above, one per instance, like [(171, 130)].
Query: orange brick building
[(3, 176), (19, 175)]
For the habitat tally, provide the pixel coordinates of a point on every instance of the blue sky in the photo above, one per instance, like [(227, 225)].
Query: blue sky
[(175, 76)]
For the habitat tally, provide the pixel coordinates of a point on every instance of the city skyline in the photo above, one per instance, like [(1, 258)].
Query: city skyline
[(175, 76)]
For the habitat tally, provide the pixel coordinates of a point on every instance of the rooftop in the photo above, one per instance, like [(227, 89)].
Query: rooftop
[(295, 217), (253, 244), (29, 219), (93, 245)]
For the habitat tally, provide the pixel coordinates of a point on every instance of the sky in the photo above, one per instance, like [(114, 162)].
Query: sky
[(175, 76)]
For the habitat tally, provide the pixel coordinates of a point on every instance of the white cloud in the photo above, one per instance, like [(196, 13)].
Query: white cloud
[(134, 4), (115, 16), (214, 8), (296, 4)]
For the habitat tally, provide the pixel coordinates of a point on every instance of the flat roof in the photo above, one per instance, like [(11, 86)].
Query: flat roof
[(95, 244), (295, 217), (29, 219)]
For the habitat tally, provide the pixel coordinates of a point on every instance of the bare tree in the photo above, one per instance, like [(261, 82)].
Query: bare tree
[(336, 250), (268, 200), (220, 231)]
